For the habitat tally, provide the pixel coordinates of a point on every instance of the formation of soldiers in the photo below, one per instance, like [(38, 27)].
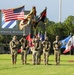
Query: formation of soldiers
[(38, 48)]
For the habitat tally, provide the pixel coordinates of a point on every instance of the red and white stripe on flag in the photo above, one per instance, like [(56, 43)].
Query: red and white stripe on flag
[(10, 15), (69, 45)]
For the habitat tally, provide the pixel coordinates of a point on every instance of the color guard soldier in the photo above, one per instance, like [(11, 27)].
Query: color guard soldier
[(24, 48), (46, 50), (14, 48), (38, 50), (56, 47), (33, 51)]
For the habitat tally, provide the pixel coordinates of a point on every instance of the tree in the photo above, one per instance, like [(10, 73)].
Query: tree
[(1, 39)]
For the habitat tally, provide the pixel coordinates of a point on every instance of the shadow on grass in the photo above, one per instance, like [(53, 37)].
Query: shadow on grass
[(12, 66)]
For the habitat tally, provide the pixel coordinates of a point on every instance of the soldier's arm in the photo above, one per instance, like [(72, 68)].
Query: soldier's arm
[(40, 45), (54, 45), (49, 45), (20, 40), (10, 44), (27, 44), (60, 43), (36, 46), (17, 42), (43, 43)]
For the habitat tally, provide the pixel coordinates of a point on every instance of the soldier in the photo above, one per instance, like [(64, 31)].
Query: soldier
[(24, 48), (46, 50), (38, 50), (33, 51), (14, 48), (56, 47)]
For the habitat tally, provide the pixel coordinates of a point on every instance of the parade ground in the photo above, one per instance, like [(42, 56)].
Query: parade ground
[(66, 66)]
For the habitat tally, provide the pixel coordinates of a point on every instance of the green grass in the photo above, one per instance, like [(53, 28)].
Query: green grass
[(65, 67)]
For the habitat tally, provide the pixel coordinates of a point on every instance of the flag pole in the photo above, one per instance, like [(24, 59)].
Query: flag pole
[(23, 30), (60, 10), (46, 22), (45, 34), (35, 32)]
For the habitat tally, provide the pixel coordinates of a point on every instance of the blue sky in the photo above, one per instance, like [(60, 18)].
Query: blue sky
[(52, 7)]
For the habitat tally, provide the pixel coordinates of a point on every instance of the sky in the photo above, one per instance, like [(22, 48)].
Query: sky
[(52, 7)]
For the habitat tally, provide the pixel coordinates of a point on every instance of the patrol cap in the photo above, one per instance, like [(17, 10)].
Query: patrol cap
[(38, 37), (57, 36), (14, 36), (46, 38)]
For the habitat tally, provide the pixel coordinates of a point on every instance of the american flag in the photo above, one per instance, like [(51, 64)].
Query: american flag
[(13, 14), (9, 24)]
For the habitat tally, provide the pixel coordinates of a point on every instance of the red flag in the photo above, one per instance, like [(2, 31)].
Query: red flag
[(29, 39), (19, 50), (13, 14)]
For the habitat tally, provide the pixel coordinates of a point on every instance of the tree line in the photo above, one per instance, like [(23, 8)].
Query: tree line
[(62, 29)]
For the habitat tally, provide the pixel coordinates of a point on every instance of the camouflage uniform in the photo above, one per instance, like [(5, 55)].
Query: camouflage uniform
[(14, 49), (38, 50), (33, 51), (24, 48), (46, 50), (56, 47)]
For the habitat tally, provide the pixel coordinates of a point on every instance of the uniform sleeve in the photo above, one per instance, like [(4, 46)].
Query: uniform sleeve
[(53, 43), (60, 43), (40, 44), (20, 39), (17, 42), (10, 45), (49, 45)]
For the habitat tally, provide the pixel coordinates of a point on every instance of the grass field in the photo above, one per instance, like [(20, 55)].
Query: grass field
[(65, 67)]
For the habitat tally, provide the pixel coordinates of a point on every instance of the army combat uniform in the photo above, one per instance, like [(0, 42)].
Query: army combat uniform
[(24, 48), (14, 49), (38, 50), (33, 51), (56, 47), (46, 50)]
